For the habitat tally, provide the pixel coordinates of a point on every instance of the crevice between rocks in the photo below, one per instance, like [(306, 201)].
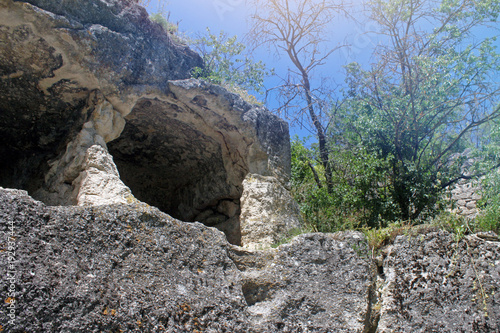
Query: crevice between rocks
[(374, 300)]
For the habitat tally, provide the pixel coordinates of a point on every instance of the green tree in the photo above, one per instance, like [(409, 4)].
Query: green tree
[(297, 30), (433, 84), (227, 64), (316, 204), (358, 198)]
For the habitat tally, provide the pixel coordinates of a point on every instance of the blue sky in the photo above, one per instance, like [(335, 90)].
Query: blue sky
[(232, 16)]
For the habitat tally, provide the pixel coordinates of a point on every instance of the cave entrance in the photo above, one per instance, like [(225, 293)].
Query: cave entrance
[(172, 158)]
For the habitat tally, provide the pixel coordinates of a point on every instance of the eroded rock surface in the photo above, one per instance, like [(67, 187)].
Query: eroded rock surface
[(189, 152), (97, 111), (136, 269), (268, 211), (316, 283), (53, 54), (119, 267), (437, 284), (133, 268)]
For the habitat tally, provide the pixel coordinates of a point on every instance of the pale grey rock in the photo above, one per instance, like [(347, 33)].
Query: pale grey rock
[(489, 236), (99, 183), (53, 55), (268, 212), (133, 268), (136, 269), (465, 194), (471, 205), (188, 153), (117, 267), (316, 283), (464, 198), (476, 196), (435, 284), (80, 161)]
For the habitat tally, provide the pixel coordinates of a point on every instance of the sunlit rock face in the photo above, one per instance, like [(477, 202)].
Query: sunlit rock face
[(133, 268), (97, 108), (189, 152)]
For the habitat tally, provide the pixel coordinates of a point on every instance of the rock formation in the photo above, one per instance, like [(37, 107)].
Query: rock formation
[(435, 283), (135, 269), (464, 198), (100, 121), (97, 108), (465, 194)]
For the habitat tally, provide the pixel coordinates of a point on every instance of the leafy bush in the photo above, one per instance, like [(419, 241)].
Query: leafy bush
[(489, 219), (359, 199), (226, 63), (458, 225), (488, 163)]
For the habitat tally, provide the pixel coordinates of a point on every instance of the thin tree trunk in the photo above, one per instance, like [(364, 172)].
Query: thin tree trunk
[(315, 174), (323, 149)]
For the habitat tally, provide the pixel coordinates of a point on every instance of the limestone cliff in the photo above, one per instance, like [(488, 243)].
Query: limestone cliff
[(96, 108)]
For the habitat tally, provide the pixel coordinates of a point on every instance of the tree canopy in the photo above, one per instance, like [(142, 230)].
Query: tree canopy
[(386, 148), (226, 62), (432, 85)]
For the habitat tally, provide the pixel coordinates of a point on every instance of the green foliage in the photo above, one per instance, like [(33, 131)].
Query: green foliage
[(417, 105), (361, 184), (360, 195), (458, 225), (226, 64), (489, 219), (377, 238), (167, 26), (393, 140), (317, 206)]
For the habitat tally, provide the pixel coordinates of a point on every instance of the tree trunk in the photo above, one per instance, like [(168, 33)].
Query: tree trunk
[(323, 149)]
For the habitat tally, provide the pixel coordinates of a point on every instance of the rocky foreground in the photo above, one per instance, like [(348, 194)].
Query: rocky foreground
[(132, 268)]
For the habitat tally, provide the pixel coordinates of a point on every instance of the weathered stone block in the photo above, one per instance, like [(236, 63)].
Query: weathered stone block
[(436, 284)]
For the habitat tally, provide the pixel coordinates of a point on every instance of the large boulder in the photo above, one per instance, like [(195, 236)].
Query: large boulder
[(437, 283), (133, 268), (79, 75), (115, 268)]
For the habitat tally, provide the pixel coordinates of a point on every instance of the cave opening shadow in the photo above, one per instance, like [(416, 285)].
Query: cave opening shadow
[(177, 159)]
